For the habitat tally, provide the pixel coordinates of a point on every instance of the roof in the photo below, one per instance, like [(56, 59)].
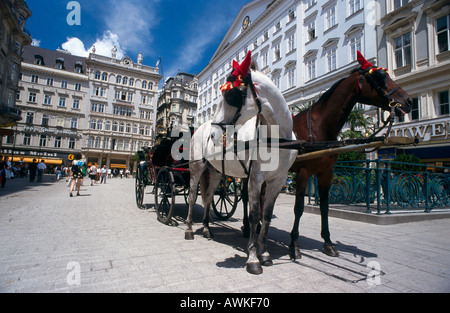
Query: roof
[(51, 57)]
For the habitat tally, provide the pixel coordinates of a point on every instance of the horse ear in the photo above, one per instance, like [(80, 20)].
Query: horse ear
[(244, 67), (363, 62)]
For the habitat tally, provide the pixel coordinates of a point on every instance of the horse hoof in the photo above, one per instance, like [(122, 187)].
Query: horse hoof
[(294, 253), (265, 260), (207, 233), (330, 250), (254, 268), (189, 235)]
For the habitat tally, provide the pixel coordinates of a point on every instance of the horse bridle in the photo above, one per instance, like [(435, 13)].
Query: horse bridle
[(392, 105)]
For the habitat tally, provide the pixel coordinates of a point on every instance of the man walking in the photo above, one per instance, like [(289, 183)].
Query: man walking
[(41, 167), (104, 172)]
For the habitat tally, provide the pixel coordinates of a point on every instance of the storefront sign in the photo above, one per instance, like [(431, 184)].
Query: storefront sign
[(425, 131), (45, 130)]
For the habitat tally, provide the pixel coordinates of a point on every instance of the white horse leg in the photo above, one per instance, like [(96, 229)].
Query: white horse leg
[(253, 265), (207, 197), (196, 171)]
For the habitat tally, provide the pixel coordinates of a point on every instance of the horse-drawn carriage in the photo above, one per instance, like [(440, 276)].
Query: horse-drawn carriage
[(248, 94), (170, 178)]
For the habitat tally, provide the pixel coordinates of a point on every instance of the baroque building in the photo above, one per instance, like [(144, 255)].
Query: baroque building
[(121, 109), (177, 103), (52, 97), (414, 44), (303, 46), (13, 37)]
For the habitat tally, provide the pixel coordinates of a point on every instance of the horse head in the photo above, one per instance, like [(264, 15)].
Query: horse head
[(237, 103), (383, 92)]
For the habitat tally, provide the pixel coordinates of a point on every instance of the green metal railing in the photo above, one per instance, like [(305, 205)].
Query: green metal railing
[(387, 185)]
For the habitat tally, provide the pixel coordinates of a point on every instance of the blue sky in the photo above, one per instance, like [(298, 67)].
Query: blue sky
[(185, 34)]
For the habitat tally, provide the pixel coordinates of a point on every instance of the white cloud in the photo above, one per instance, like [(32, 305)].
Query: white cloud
[(103, 46), (132, 21), (35, 42)]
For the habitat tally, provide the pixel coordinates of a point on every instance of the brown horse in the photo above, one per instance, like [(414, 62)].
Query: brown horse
[(323, 122)]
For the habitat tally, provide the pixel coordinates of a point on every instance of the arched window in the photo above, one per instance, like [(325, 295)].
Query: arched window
[(91, 142), (105, 76), (131, 81), (128, 129), (114, 126), (125, 80), (98, 142), (118, 79), (135, 129), (97, 75), (147, 131), (108, 125), (144, 84), (99, 124), (121, 127), (93, 124)]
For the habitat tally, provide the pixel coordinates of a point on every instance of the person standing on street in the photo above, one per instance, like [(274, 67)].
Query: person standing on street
[(77, 174), (3, 166), (104, 172), (41, 167), (93, 174), (33, 168)]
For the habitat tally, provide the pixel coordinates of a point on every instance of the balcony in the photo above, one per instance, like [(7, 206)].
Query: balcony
[(9, 115)]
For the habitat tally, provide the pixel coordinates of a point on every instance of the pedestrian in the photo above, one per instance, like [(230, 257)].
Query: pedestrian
[(41, 167), (77, 173), (93, 174), (104, 172), (58, 172), (3, 166), (8, 168), (33, 168)]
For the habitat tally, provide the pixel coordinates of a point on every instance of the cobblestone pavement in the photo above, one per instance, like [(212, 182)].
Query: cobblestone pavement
[(101, 242)]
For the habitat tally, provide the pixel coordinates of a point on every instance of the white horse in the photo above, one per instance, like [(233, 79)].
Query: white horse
[(248, 95)]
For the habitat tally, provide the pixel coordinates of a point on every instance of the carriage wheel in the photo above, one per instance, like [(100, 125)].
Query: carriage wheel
[(164, 195), (139, 187), (225, 198)]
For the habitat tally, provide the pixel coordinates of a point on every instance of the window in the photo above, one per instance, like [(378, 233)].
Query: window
[(355, 45), (64, 84), (77, 86), (47, 99), (311, 31), (43, 141), (265, 59), (291, 15), (34, 79), (443, 33), (105, 76), (93, 124), (443, 103), (30, 118), (60, 121), (72, 143), (45, 120), (121, 127), (125, 80), (59, 66), (32, 97), (354, 6), (128, 128), (114, 126), (402, 50), (58, 142), (76, 104), (399, 3), (415, 111), (276, 52), (118, 79), (74, 123), (291, 77), (38, 61), (97, 75), (331, 59), (330, 18), (99, 124), (78, 68), (144, 84), (291, 43), (62, 102), (49, 81), (27, 140), (311, 69), (131, 81)]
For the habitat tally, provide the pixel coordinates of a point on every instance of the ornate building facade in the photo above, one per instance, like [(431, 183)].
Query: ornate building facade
[(52, 96), (13, 37), (177, 103), (121, 109), (414, 44)]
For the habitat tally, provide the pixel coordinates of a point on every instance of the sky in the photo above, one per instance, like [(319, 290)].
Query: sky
[(183, 33)]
